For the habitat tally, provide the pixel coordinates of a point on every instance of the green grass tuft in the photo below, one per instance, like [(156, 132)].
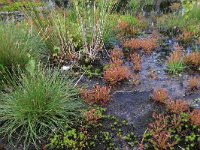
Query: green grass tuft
[(40, 103), (175, 67), (18, 46)]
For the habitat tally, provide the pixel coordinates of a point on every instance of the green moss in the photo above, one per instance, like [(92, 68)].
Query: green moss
[(95, 136)]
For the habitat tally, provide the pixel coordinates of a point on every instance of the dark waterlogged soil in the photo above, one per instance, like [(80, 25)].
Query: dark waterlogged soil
[(134, 107), (133, 104)]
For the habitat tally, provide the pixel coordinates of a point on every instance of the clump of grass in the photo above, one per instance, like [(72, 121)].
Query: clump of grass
[(58, 30), (17, 46), (195, 13), (41, 102), (117, 26), (92, 18), (175, 63), (168, 22), (133, 7), (178, 22), (20, 48)]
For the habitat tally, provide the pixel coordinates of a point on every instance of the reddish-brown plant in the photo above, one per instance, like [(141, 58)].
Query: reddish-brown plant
[(160, 95), (148, 45), (175, 56), (116, 63), (116, 54), (176, 121), (162, 141), (195, 117), (136, 60), (193, 83), (92, 116), (159, 124), (177, 107), (136, 79), (160, 135), (122, 25), (98, 95), (186, 37), (112, 75), (133, 44), (123, 28), (193, 59), (116, 57)]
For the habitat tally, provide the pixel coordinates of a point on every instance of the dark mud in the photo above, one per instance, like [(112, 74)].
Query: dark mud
[(135, 107)]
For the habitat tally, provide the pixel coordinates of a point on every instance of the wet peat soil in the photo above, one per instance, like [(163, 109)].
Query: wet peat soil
[(132, 102)]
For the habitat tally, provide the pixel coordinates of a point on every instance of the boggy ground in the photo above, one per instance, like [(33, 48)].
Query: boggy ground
[(132, 102)]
